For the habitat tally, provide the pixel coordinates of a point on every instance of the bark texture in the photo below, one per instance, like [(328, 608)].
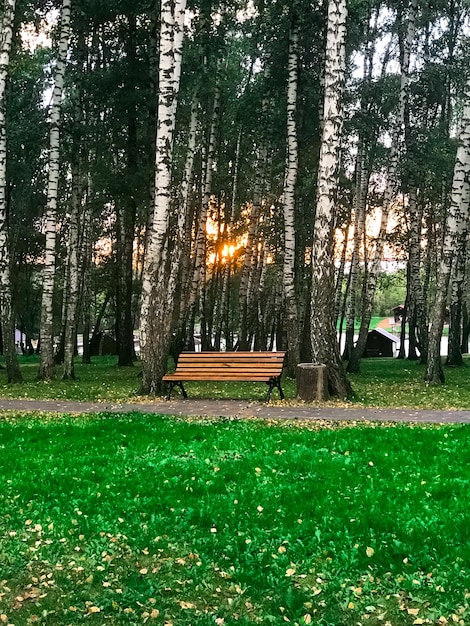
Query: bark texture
[(157, 308), (47, 363), (290, 180), (6, 309), (323, 332), (455, 226)]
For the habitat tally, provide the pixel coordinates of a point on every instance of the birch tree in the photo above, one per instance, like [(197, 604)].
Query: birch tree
[(6, 309), (157, 307), (455, 225), (292, 321), (323, 332), (47, 364)]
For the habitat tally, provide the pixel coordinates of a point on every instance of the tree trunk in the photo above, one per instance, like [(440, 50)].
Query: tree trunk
[(6, 309), (222, 323), (244, 304), (290, 180), (86, 259), (457, 279), (78, 167), (126, 222), (323, 332), (47, 363), (417, 317), (360, 199), (198, 281), (157, 308), (73, 281), (455, 225)]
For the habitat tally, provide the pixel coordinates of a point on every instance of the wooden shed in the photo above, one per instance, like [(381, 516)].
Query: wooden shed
[(380, 343)]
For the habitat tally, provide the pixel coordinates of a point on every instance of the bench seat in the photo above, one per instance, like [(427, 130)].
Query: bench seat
[(228, 366)]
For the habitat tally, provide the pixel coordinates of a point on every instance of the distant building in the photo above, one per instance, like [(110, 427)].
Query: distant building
[(398, 312), (380, 343)]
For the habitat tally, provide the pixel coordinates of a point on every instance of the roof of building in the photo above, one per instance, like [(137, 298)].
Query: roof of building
[(386, 334)]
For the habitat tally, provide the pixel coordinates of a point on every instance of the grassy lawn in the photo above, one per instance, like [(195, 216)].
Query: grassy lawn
[(381, 383), (137, 519)]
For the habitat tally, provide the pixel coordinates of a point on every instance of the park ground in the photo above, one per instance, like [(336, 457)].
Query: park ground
[(145, 518)]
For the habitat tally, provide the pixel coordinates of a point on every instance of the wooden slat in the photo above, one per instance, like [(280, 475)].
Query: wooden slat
[(237, 366)]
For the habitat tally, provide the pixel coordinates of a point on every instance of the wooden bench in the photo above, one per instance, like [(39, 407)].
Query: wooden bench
[(265, 367)]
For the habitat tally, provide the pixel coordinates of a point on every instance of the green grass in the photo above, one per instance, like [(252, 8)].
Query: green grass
[(136, 519), (381, 383), (399, 383), (102, 380)]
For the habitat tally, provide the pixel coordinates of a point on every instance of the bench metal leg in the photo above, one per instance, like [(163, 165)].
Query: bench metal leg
[(274, 382), (172, 385)]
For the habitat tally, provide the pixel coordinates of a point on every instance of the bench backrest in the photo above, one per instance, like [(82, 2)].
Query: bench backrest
[(250, 366)]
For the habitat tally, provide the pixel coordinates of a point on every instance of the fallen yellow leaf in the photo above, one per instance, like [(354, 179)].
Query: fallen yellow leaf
[(187, 605), (413, 611)]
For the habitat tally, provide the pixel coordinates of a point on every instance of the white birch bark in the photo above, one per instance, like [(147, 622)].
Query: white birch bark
[(456, 222), (198, 278), (221, 317), (457, 280), (417, 315), (322, 324), (47, 365), (245, 306), (6, 310), (290, 180), (73, 281), (156, 317), (182, 249), (360, 199)]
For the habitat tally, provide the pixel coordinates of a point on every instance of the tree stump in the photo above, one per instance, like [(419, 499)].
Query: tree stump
[(312, 382)]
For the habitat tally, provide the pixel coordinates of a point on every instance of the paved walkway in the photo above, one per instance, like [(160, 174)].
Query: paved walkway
[(242, 409)]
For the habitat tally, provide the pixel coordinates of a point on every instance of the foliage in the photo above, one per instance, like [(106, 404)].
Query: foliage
[(133, 519), (391, 291)]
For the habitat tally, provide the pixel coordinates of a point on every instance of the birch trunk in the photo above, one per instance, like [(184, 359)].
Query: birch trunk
[(323, 332), (6, 309), (157, 308), (360, 198), (181, 262), (389, 196), (199, 271), (86, 253), (47, 364), (222, 325), (455, 225), (245, 306), (71, 307), (79, 176), (418, 328), (290, 180), (454, 353)]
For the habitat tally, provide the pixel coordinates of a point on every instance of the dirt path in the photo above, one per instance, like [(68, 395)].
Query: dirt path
[(241, 409)]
